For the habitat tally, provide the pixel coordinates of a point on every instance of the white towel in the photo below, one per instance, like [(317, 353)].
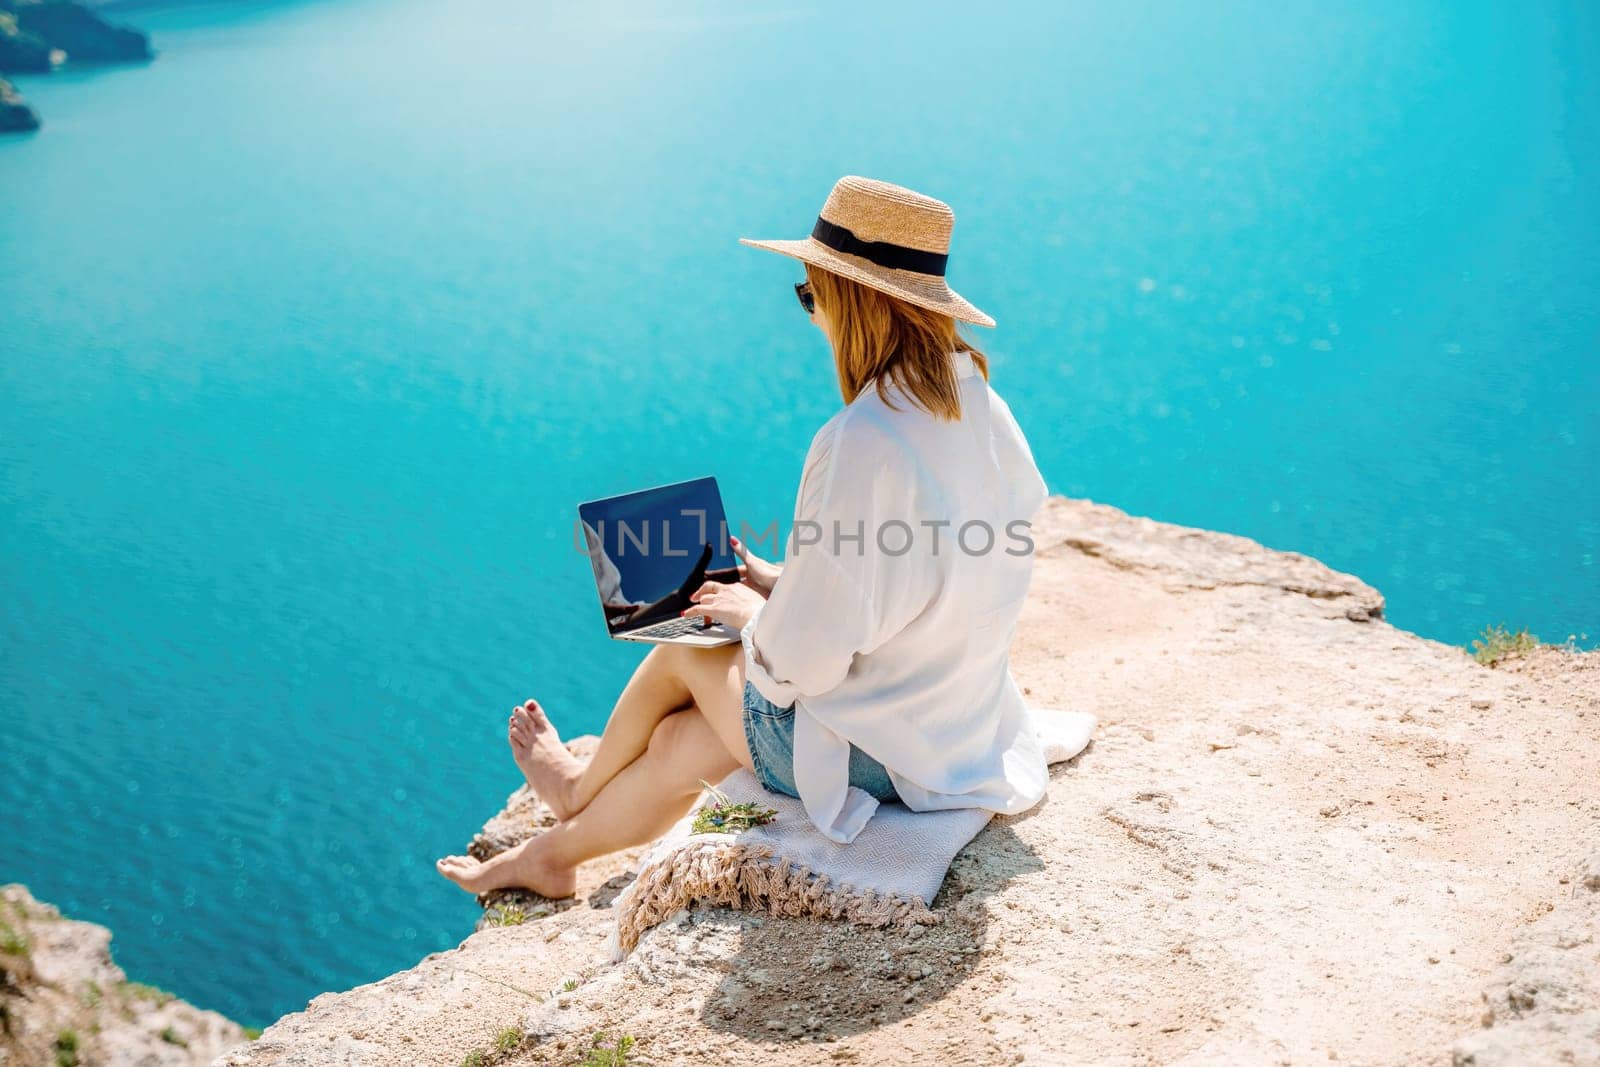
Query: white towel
[(888, 873)]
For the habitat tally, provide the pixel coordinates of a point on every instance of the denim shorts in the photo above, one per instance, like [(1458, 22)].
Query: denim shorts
[(769, 730)]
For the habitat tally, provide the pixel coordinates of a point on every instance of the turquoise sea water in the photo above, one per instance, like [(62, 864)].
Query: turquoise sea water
[(316, 329)]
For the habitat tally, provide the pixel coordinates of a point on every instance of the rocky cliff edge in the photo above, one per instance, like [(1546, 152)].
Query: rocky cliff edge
[(1301, 836), (64, 1002)]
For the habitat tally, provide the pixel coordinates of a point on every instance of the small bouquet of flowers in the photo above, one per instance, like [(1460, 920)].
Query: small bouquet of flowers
[(722, 816)]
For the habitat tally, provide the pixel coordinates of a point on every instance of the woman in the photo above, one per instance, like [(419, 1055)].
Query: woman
[(873, 662)]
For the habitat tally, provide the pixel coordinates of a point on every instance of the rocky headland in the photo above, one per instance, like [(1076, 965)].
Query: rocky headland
[(15, 114), (37, 36), (64, 1002), (1300, 836)]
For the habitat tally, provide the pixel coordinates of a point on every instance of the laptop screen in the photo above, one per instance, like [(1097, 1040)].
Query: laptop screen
[(651, 549)]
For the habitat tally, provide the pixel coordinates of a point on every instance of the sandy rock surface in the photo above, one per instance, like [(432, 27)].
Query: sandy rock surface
[(1300, 836), (63, 1001)]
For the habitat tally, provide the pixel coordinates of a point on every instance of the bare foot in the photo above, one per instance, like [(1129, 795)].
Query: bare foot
[(552, 772), (520, 867)]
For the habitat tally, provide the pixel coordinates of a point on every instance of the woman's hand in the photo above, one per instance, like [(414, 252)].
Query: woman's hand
[(754, 571), (731, 605)]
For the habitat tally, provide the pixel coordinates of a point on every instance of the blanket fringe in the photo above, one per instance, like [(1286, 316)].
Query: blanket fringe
[(751, 878)]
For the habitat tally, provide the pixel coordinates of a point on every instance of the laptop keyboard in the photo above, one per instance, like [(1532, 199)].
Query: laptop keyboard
[(671, 628)]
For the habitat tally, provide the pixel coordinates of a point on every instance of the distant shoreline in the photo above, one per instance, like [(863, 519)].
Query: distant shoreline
[(15, 114), (40, 36)]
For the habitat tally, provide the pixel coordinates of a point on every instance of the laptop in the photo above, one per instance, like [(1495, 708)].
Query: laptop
[(649, 551)]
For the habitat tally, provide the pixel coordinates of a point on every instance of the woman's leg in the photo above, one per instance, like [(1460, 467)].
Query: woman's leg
[(669, 679), (636, 806)]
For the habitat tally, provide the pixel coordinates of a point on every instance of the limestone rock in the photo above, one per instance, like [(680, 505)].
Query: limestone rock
[(63, 1000), (1300, 835), (1543, 1006)]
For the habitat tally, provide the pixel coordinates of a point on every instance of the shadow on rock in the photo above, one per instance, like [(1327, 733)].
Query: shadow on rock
[(793, 980)]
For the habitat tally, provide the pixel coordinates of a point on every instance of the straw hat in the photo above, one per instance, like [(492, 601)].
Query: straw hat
[(886, 237)]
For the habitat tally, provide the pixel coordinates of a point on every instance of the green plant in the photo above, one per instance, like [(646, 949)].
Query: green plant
[(67, 1048), (569, 985), (472, 1059), (1497, 643), (508, 1039), (615, 1056), (251, 1033), (91, 993), (722, 816), (172, 1037), (12, 941), (507, 915), (140, 991)]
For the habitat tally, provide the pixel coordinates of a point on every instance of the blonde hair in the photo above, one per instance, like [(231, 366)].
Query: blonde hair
[(878, 336)]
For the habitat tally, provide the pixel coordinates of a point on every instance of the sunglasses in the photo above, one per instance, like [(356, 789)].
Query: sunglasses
[(807, 300)]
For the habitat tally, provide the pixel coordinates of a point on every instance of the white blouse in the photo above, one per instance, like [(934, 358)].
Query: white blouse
[(891, 624)]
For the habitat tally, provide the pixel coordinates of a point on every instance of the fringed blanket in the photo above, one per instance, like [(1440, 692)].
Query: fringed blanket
[(886, 876)]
